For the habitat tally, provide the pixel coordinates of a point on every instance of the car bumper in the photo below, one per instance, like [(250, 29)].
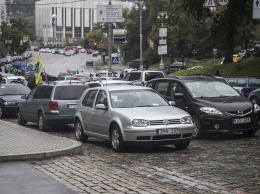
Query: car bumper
[(54, 119), (148, 135), (9, 110), (218, 123)]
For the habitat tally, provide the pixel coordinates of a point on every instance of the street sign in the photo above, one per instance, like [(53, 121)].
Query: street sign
[(209, 4), (110, 13), (162, 50), (256, 9), (162, 41), (223, 2), (215, 51), (163, 32), (115, 60)]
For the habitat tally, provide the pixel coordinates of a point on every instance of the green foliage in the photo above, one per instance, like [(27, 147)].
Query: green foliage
[(93, 38)]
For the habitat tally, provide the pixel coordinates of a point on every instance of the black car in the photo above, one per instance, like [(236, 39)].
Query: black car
[(10, 97), (213, 104)]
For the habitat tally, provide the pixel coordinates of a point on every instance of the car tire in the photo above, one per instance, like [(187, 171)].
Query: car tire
[(254, 100), (20, 120), (41, 122), (249, 132), (198, 133), (116, 139), (79, 133), (182, 145)]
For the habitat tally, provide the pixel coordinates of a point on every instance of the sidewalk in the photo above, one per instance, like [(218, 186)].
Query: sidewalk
[(20, 143)]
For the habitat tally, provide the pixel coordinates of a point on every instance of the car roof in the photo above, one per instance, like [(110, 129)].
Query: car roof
[(191, 78), (123, 87)]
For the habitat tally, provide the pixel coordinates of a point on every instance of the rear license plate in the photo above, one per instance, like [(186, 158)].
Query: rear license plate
[(72, 106), (241, 120), (167, 131)]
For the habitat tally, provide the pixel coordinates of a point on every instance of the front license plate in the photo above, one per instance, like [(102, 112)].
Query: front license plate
[(241, 120), (72, 106), (167, 131)]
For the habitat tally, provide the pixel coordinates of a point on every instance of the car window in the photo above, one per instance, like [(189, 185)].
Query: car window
[(162, 87), (101, 97), (254, 82), (43, 92), (89, 98), (135, 76), (241, 82), (152, 75), (69, 92), (14, 90)]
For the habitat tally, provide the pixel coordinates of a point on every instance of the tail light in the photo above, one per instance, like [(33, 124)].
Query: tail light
[(245, 91), (53, 105)]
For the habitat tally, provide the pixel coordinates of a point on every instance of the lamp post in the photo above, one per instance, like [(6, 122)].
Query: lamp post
[(141, 7), (162, 33), (54, 22), (8, 35)]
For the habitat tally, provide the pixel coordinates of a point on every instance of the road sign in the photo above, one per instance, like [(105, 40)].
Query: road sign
[(256, 9), (162, 50), (209, 4), (115, 60), (110, 13), (119, 39), (162, 41), (163, 32), (215, 51), (223, 2)]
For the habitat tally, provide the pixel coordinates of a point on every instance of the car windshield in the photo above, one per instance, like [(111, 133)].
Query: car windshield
[(18, 89), (136, 98), (213, 89)]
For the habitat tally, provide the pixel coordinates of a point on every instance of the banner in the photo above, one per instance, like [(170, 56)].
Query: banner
[(39, 68)]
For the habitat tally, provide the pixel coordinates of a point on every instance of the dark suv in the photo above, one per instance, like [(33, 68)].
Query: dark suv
[(50, 104), (213, 104)]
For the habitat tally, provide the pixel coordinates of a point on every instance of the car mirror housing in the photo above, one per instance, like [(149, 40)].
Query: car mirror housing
[(101, 107)]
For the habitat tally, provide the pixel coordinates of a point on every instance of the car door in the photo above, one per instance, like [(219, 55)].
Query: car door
[(87, 110), (101, 117)]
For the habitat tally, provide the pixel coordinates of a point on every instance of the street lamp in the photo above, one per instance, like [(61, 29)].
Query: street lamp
[(8, 34), (141, 7), (54, 22), (162, 34)]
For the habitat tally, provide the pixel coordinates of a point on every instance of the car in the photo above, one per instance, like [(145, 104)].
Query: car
[(101, 83), (67, 53), (72, 52), (254, 96), (213, 104), (89, 62), (141, 77), (50, 104), (244, 85), (244, 53), (16, 79), (36, 49), (82, 50), (131, 116), (237, 58), (176, 66), (10, 97)]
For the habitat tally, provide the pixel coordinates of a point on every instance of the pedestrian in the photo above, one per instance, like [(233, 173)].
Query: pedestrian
[(218, 74), (1, 70), (2, 80), (5, 69)]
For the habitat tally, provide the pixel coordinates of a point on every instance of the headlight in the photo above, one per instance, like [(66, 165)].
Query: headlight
[(209, 110), (256, 107), (10, 103), (186, 120), (140, 123)]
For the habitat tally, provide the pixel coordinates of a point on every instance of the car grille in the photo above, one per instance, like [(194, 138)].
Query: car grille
[(239, 113), (165, 122)]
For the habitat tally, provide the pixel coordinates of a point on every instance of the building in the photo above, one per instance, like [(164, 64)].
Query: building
[(57, 21), (3, 11)]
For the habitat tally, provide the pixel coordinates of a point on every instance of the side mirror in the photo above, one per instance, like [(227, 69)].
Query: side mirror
[(178, 96), (101, 107), (172, 103)]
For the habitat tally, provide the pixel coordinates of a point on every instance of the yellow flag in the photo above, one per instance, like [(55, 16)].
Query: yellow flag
[(38, 76)]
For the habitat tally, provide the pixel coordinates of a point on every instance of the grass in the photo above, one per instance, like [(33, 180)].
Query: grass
[(244, 68)]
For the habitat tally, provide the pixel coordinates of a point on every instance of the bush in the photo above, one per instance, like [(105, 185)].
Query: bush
[(151, 54)]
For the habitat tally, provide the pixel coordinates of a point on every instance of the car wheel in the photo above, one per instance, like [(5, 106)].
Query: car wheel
[(182, 145), (41, 122), (254, 100), (116, 139), (249, 132), (1, 112), (79, 133), (198, 129), (20, 120)]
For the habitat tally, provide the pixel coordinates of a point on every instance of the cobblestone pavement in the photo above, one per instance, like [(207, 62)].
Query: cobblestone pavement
[(220, 163)]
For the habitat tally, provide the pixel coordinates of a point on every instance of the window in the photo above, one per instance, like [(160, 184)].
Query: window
[(241, 82), (135, 76), (152, 75), (254, 82), (69, 92), (89, 98), (43, 92), (101, 97), (162, 87)]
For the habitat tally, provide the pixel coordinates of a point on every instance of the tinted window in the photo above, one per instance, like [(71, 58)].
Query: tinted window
[(135, 76), (152, 75), (254, 82), (89, 98), (69, 92), (162, 87), (43, 92)]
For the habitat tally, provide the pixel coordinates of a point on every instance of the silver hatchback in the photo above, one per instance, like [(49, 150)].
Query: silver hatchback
[(131, 115)]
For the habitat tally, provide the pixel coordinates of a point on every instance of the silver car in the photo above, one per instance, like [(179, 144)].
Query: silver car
[(131, 115)]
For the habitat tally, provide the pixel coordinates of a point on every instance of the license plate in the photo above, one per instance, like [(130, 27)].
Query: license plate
[(72, 106), (167, 131), (241, 120)]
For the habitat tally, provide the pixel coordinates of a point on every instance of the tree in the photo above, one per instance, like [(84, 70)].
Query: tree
[(93, 38)]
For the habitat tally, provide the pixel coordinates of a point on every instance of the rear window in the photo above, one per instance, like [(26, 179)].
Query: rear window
[(152, 75), (70, 92), (254, 82)]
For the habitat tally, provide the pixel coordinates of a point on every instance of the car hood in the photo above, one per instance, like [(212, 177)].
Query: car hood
[(153, 113), (11, 98), (226, 104)]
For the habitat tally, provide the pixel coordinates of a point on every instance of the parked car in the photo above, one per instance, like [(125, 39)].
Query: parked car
[(89, 62), (10, 97), (67, 53), (213, 104), (50, 104), (135, 64), (131, 115), (244, 85), (255, 96), (244, 53), (176, 66), (237, 58), (141, 77)]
